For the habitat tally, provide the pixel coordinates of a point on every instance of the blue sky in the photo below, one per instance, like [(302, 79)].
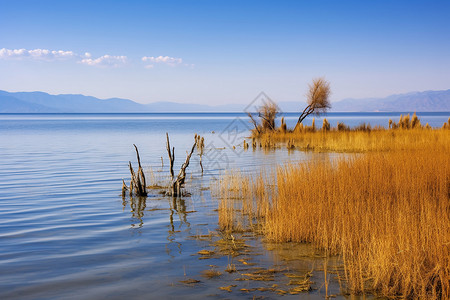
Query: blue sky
[(217, 52)]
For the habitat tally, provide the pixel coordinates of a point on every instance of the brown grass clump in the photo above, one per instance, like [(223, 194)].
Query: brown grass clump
[(190, 281), (205, 252), (211, 273), (326, 125), (386, 214), (342, 127), (231, 268), (227, 288), (406, 122), (446, 125)]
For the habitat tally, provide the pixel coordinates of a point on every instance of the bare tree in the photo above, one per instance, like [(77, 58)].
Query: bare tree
[(267, 114), (317, 99)]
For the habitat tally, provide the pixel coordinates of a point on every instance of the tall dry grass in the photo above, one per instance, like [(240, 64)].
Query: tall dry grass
[(244, 201), (387, 214), (354, 140), (407, 132)]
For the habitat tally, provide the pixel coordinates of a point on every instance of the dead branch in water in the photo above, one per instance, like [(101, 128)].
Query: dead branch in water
[(138, 184), (179, 182), (171, 154), (137, 180), (141, 170)]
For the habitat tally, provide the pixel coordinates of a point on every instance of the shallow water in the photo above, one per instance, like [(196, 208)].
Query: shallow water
[(65, 231)]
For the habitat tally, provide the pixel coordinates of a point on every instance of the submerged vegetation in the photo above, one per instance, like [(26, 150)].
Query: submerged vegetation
[(385, 213)]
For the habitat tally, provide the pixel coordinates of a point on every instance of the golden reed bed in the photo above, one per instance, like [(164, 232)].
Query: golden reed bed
[(386, 212), (407, 133)]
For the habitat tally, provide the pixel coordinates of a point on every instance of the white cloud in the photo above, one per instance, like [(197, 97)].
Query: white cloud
[(171, 61), (105, 61), (36, 54), (86, 58), (53, 55)]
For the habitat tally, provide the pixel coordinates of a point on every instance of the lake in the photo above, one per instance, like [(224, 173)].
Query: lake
[(66, 232)]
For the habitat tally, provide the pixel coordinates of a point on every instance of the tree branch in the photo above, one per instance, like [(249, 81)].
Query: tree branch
[(171, 154), (177, 184), (254, 122)]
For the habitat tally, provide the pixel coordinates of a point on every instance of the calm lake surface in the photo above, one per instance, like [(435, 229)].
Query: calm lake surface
[(66, 232)]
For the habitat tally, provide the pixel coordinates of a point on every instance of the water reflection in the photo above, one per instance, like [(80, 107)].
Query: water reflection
[(138, 205), (176, 207)]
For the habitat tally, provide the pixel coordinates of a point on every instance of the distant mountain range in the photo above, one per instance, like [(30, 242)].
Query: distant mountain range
[(416, 101), (40, 102)]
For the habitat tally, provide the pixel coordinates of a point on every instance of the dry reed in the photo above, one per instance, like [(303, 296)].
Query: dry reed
[(358, 140), (400, 136), (387, 214)]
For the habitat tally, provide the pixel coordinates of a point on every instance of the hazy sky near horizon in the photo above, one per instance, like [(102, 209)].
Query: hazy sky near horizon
[(217, 52)]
